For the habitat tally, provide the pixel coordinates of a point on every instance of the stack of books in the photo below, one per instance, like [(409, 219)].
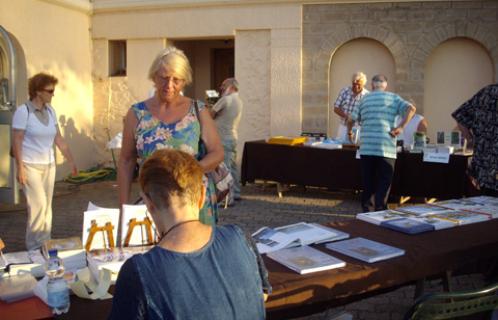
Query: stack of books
[(69, 250), (440, 215)]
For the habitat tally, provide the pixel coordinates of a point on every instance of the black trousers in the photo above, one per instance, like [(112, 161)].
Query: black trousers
[(377, 174)]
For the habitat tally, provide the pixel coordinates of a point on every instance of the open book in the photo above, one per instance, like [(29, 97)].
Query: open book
[(365, 250), (308, 233), (305, 259), (268, 240)]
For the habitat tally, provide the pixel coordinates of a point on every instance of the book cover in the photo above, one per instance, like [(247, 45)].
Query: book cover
[(377, 217), (484, 200), (407, 225), (458, 204), (463, 217), (421, 210), (305, 259), (365, 250), (438, 224)]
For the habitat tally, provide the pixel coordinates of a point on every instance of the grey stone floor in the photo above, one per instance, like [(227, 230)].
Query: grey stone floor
[(260, 206)]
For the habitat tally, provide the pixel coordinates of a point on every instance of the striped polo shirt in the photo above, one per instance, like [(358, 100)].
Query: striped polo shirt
[(377, 113)]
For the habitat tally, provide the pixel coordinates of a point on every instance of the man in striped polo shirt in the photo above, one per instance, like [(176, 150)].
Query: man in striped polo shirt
[(376, 114)]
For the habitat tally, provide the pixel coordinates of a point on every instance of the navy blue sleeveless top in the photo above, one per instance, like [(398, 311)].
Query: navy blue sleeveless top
[(222, 280)]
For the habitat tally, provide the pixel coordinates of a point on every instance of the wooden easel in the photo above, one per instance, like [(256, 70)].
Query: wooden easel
[(146, 223), (106, 230)]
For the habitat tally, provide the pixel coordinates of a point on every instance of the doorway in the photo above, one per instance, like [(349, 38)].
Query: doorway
[(212, 61), (223, 66)]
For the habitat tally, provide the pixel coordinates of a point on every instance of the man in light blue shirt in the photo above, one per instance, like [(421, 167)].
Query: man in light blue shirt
[(376, 114)]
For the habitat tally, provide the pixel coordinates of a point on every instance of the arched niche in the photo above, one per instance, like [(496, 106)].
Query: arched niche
[(361, 54), (455, 70)]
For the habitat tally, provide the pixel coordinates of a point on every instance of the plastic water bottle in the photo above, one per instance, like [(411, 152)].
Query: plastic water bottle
[(57, 290)]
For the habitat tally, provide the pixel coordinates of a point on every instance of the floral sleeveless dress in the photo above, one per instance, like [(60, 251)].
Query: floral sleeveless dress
[(152, 134)]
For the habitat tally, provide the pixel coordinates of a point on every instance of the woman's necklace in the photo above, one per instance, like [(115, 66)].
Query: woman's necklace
[(174, 227)]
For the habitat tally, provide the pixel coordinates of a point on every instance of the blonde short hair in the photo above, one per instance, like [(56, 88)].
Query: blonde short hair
[(175, 60), (359, 76)]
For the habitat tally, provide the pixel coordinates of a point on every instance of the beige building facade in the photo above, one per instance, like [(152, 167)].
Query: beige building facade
[(290, 57)]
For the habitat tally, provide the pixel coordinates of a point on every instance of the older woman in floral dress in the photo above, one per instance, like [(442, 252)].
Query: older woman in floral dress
[(169, 120)]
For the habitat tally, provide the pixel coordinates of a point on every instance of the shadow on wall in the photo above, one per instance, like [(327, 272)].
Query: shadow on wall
[(80, 143)]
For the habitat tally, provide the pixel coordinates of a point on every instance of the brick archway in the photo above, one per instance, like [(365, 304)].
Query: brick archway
[(449, 31)]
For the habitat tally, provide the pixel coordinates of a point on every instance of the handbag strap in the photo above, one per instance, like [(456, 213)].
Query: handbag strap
[(196, 107)]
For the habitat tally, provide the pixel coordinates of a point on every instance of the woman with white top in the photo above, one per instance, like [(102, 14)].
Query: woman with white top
[(35, 130)]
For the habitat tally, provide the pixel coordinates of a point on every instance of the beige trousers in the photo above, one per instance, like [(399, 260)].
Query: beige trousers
[(38, 191)]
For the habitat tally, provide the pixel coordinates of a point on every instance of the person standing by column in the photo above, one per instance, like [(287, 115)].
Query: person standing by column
[(348, 100), (226, 113), (478, 121), (377, 115), (35, 130)]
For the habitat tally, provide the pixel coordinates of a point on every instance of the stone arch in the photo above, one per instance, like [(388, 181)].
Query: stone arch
[(448, 31), (317, 56)]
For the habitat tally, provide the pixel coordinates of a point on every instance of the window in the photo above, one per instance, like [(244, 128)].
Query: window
[(117, 58)]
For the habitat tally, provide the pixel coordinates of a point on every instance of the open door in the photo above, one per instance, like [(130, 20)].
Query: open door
[(13, 89)]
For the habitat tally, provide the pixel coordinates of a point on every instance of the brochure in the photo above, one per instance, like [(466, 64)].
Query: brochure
[(365, 250), (305, 259)]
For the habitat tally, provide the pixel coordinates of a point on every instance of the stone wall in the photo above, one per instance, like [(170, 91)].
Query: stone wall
[(410, 31)]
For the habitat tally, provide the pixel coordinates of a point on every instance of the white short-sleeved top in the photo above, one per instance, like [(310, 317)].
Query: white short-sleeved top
[(37, 146)]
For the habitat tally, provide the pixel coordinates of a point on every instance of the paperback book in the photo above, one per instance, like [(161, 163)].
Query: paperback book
[(408, 226), (421, 210), (305, 259), (458, 204), (438, 224), (463, 217), (378, 217), (365, 250)]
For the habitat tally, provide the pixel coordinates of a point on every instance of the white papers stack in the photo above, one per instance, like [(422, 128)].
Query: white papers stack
[(377, 217), (17, 287), (70, 250), (305, 259), (327, 144), (365, 250), (111, 259)]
